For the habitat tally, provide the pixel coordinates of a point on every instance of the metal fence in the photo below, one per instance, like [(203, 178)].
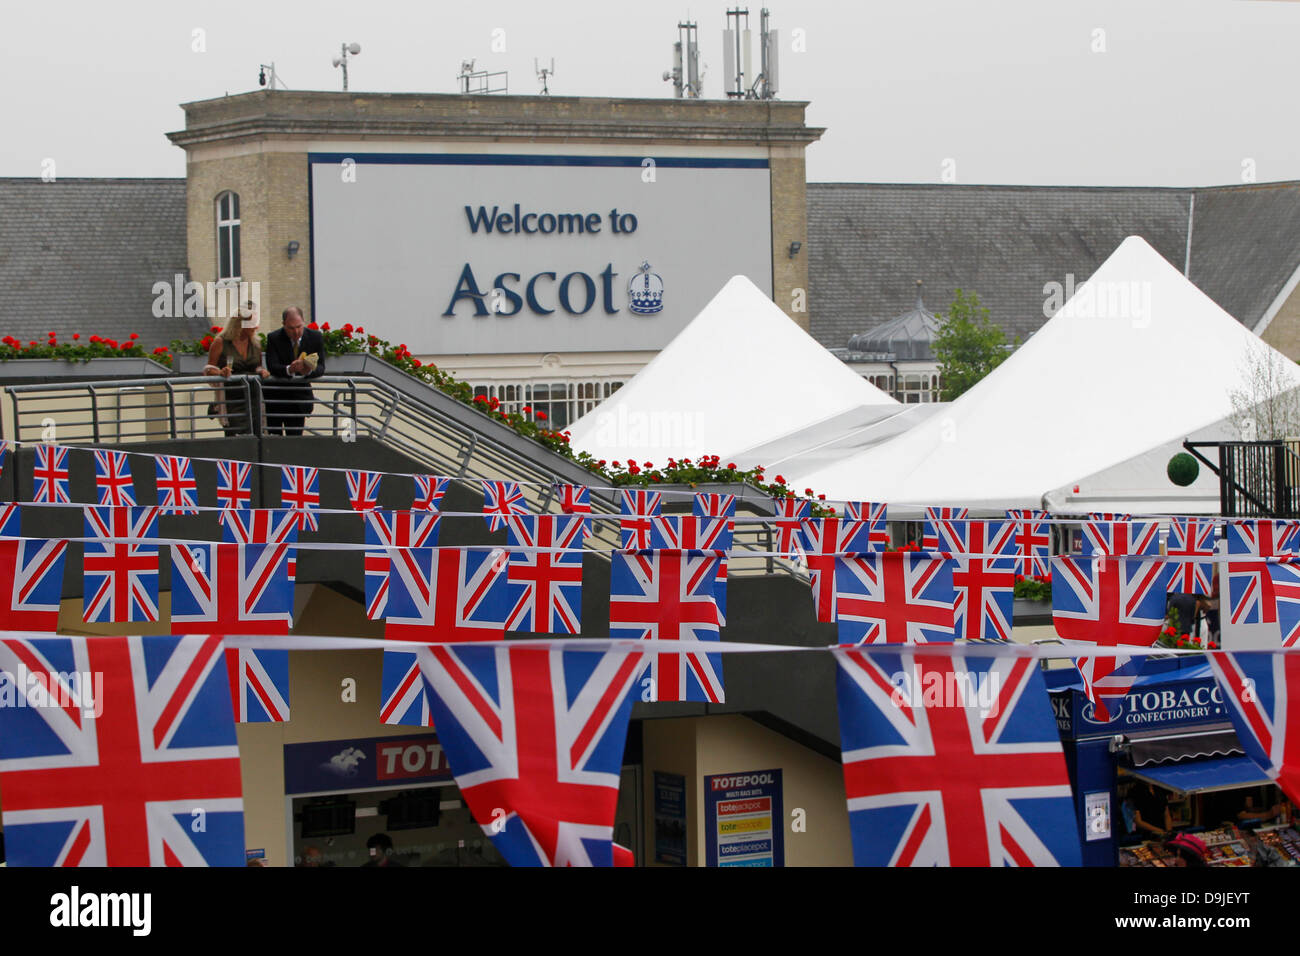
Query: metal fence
[(1256, 479)]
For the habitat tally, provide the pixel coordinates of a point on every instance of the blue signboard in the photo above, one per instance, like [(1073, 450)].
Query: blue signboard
[(364, 764), (670, 818), (744, 819)]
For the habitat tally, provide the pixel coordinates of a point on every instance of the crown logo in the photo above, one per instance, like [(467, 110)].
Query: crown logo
[(645, 291)]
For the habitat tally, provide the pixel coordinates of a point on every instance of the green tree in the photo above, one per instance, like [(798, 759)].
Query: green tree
[(968, 345)]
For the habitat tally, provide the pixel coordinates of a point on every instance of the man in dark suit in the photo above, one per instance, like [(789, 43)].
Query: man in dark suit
[(289, 397)]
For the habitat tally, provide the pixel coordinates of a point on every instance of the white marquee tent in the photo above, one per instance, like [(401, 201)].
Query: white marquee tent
[(740, 374), (1085, 415)]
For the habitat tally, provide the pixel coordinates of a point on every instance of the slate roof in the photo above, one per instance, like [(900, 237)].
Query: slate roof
[(82, 255), (869, 243)]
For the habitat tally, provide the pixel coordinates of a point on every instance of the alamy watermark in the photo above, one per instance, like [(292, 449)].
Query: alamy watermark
[(1099, 299), (195, 300), (83, 691), (951, 689)]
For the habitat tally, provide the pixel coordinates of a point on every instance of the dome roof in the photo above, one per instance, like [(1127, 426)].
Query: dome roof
[(907, 337)]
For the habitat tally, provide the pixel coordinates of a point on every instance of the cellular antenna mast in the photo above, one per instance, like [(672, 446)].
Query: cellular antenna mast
[(480, 81), (737, 60), (543, 74), (685, 73)]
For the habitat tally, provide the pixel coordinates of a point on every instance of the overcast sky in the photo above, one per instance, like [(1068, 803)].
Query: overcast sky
[(1140, 92)]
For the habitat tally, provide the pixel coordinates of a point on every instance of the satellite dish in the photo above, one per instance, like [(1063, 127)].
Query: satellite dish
[(354, 48)]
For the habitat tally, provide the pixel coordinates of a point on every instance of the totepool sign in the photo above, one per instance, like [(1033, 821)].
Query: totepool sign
[(473, 253)]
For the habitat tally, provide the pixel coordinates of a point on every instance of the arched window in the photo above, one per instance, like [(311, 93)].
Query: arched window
[(228, 236)]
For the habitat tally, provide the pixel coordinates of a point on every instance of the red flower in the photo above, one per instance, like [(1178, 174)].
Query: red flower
[(361, 331), (541, 416), (125, 346), (780, 479), (75, 336), (207, 342), (417, 363), (480, 398), (632, 469), (821, 497), (731, 466), (215, 328), (617, 465), (325, 327), (347, 327), (808, 492), (649, 464), (654, 477), (312, 325), (134, 335), (601, 462), (527, 408)]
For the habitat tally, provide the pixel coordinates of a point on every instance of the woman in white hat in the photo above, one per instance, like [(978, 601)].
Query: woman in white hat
[(235, 351)]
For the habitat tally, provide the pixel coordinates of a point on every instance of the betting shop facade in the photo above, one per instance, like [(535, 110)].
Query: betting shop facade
[(542, 248)]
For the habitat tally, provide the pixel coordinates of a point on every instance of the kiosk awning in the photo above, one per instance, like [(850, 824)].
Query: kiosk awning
[(1205, 776)]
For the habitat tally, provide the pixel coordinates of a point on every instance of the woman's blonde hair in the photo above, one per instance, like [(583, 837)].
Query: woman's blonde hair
[(235, 324)]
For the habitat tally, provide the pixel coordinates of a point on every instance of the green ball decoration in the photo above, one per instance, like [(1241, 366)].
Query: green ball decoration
[(1183, 469)]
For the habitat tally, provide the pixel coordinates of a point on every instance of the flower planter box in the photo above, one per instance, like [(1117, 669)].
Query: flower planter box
[(1031, 613), (23, 371)]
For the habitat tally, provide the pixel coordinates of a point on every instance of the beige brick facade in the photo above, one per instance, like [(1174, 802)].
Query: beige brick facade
[(257, 144), (1283, 332)]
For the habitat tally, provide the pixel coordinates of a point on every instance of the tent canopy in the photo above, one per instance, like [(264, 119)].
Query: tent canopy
[(1135, 361), (741, 373)]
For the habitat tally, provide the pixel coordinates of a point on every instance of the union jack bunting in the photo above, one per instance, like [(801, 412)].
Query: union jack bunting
[(638, 508), (177, 491), (429, 490), (825, 538), (715, 506), (573, 499), (4, 447), (1192, 538), (231, 588), (447, 594), (970, 776), (121, 575), (1112, 603), (50, 475), (930, 536), (1262, 692), (545, 583), (1120, 538), (790, 513), (393, 529), (1285, 582), (698, 533), (538, 733), (500, 499), (234, 484), (873, 515), (263, 526), (363, 490), (34, 570), (900, 597), (113, 479), (300, 492), (668, 596), (1251, 599), (110, 774), (403, 691), (10, 526), (1033, 542), (1109, 516), (984, 584), (259, 684)]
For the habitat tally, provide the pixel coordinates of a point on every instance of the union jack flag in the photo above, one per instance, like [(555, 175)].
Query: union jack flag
[(363, 490), (984, 585), (930, 537), (545, 584), (1109, 602), (500, 499), (1284, 580), (574, 499), (119, 788), (259, 684), (698, 533), (403, 691), (120, 572), (231, 588), (263, 526), (1263, 694), (1109, 516), (429, 490), (1192, 538), (4, 447), (234, 484), (900, 597), (392, 529), (668, 596), (113, 479), (1033, 542), (300, 492), (874, 516), (638, 509), (975, 780), (34, 569), (177, 491), (447, 594), (1121, 538), (539, 734), (10, 526), (715, 506), (50, 475), (1251, 599), (790, 513), (825, 538)]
